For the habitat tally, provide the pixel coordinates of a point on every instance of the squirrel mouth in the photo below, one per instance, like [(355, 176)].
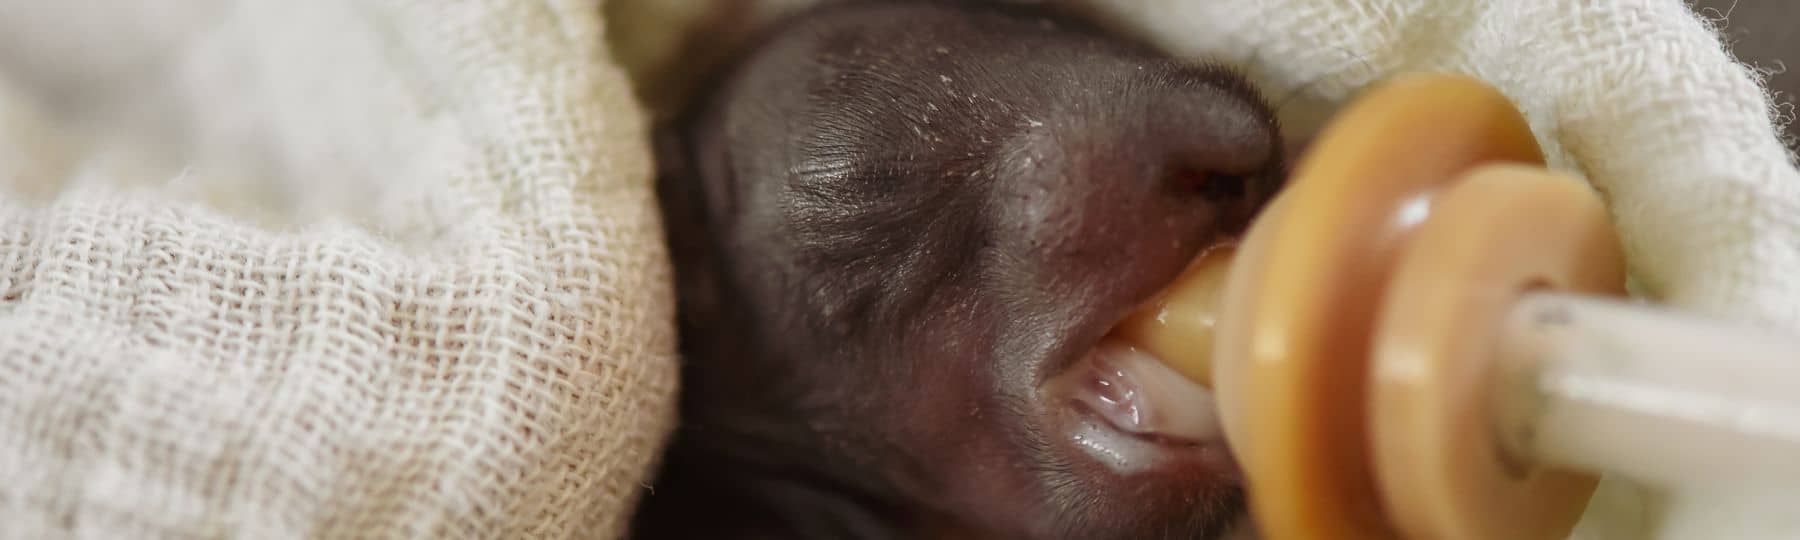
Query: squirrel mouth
[(1133, 413)]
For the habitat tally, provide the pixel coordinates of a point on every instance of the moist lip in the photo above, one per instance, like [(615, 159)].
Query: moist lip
[(1133, 414)]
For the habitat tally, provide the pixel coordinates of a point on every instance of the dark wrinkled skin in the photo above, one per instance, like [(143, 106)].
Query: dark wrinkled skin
[(892, 222)]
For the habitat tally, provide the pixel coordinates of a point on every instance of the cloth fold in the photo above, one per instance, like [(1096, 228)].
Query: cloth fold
[(336, 268)]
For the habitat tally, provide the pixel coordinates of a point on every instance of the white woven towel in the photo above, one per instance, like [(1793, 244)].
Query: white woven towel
[(1638, 96), (332, 268)]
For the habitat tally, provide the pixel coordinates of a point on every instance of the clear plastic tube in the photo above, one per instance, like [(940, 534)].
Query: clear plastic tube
[(1665, 398)]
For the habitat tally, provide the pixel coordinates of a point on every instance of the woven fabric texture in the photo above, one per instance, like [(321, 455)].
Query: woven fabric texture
[(325, 269)]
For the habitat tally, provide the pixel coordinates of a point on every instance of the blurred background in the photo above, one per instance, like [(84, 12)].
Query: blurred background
[(1765, 34)]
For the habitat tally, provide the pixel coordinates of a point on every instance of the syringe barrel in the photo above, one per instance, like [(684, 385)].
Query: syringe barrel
[(1661, 397)]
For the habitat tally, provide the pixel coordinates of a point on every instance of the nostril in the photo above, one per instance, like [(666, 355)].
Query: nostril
[(1232, 199), (1211, 185)]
